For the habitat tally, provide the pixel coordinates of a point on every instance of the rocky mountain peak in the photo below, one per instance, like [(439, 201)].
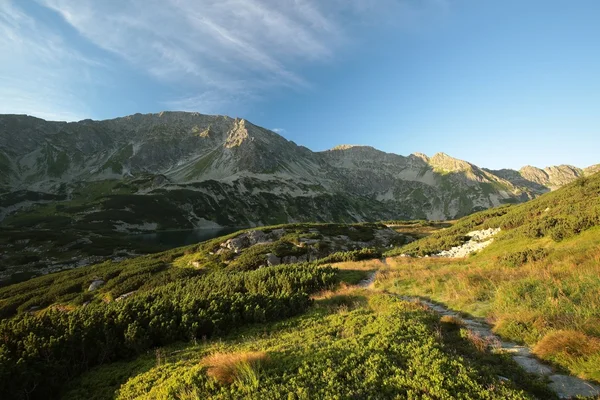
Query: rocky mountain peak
[(229, 159), (592, 169), (420, 156), (349, 146), (237, 135), (444, 162), (552, 177)]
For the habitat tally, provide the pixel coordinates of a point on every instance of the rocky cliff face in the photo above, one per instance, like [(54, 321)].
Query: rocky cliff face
[(176, 170), (539, 180)]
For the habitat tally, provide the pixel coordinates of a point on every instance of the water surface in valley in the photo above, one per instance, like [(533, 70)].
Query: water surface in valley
[(171, 239)]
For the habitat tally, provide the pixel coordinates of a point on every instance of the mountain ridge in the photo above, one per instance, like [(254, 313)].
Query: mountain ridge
[(225, 160)]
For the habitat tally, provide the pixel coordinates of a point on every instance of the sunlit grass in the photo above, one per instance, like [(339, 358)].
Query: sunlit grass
[(526, 302), (226, 368)]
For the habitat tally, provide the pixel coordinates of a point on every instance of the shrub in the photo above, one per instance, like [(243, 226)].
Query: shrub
[(353, 255), (518, 258), (41, 352)]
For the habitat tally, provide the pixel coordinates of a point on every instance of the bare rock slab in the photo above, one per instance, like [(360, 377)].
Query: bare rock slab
[(567, 387), (532, 365)]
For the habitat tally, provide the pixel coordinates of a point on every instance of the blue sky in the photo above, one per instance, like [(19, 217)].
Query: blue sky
[(500, 83)]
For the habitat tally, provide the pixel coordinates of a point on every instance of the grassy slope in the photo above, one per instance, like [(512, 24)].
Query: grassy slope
[(538, 282), (350, 345)]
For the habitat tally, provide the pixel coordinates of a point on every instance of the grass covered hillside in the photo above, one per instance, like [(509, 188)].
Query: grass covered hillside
[(538, 283), (276, 312)]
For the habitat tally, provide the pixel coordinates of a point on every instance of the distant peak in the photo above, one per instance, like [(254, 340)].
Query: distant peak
[(445, 162), (421, 156), (350, 146), (440, 155)]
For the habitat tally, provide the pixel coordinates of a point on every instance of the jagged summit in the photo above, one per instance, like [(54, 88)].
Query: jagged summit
[(420, 156), (445, 162), (350, 146)]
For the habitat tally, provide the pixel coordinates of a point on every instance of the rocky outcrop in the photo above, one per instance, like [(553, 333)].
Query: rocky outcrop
[(478, 240), (245, 240), (95, 285), (543, 180), (304, 243)]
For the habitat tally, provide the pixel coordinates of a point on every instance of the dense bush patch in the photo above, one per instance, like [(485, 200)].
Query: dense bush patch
[(38, 353), (386, 349), (518, 258)]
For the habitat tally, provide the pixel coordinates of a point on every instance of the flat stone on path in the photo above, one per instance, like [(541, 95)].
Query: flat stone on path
[(532, 365), (569, 386)]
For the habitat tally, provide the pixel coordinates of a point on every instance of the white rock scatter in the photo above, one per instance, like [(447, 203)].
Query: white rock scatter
[(478, 241), (126, 295)]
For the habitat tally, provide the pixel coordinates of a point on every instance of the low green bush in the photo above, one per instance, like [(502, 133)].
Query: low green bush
[(518, 258), (38, 353)]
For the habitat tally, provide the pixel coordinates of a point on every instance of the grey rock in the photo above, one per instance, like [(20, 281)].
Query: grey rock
[(532, 365), (95, 285), (289, 260), (277, 233), (255, 237), (569, 386), (238, 243), (272, 259)]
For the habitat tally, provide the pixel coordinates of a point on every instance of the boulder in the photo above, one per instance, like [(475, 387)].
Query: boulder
[(272, 259), (277, 233), (291, 260), (256, 237), (237, 243), (95, 285)]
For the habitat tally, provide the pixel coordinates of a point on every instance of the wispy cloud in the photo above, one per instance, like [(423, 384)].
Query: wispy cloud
[(211, 52), (38, 70), (281, 131)]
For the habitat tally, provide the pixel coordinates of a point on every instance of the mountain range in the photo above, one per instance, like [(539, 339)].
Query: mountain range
[(178, 170)]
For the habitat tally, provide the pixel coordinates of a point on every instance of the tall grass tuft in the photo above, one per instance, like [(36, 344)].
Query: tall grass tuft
[(227, 368)]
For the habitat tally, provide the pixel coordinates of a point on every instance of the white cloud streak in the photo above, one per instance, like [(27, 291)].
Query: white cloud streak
[(211, 52), (37, 69)]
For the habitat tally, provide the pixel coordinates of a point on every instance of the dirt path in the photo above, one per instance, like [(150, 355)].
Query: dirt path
[(565, 386)]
